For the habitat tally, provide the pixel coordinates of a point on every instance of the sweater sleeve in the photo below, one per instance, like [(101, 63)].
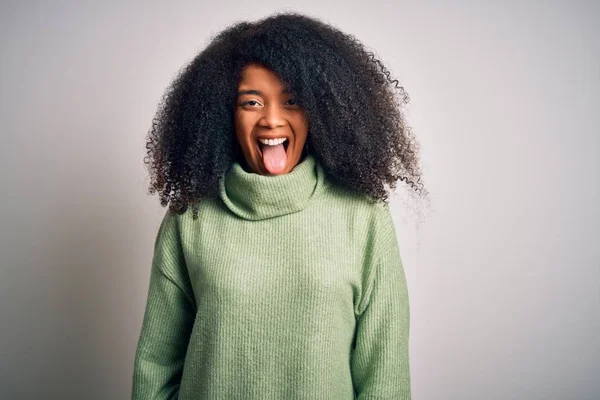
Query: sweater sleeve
[(380, 356), (168, 319)]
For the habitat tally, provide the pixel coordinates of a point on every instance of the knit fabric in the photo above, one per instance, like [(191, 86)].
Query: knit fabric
[(285, 287)]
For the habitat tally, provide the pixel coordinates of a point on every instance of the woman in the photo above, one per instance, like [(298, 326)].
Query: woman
[(276, 270)]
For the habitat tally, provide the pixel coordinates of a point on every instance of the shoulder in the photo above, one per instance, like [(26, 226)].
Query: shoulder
[(366, 221), (168, 229), (358, 204)]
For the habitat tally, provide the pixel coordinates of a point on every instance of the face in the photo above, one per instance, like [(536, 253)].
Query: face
[(266, 111)]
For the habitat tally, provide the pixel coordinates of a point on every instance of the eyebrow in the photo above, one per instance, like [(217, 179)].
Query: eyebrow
[(258, 92)]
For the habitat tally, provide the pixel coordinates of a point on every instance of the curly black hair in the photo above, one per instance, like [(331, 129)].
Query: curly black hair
[(357, 130)]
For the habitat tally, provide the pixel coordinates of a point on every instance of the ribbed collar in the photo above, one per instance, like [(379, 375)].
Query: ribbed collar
[(253, 196)]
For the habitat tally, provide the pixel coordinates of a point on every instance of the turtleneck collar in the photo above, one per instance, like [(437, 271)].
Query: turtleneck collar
[(253, 196)]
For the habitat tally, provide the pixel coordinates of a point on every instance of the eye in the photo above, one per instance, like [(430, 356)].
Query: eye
[(292, 102), (251, 103)]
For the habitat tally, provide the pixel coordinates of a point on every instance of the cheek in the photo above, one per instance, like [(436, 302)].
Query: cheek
[(299, 123), (243, 125), (300, 127)]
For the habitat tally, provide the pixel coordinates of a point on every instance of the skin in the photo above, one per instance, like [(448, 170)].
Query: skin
[(264, 109)]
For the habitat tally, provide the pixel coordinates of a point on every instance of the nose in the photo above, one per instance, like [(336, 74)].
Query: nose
[(272, 117)]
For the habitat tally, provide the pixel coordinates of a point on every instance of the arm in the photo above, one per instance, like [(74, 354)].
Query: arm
[(168, 319), (380, 359)]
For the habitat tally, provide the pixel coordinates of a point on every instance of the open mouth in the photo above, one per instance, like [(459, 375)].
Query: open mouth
[(261, 146)]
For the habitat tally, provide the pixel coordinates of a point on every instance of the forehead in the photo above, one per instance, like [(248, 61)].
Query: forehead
[(255, 76)]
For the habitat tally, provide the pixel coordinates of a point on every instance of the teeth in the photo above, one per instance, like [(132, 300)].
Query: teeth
[(272, 142)]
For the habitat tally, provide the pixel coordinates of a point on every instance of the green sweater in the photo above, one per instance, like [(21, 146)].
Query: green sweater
[(286, 287)]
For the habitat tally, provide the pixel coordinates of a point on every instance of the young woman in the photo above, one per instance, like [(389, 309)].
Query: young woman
[(276, 270)]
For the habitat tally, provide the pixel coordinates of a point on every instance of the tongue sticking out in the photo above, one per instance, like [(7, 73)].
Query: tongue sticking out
[(274, 158)]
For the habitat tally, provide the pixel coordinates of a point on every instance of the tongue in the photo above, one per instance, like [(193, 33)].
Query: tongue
[(274, 158)]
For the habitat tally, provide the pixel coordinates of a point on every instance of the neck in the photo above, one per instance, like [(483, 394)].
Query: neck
[(254, 196)]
